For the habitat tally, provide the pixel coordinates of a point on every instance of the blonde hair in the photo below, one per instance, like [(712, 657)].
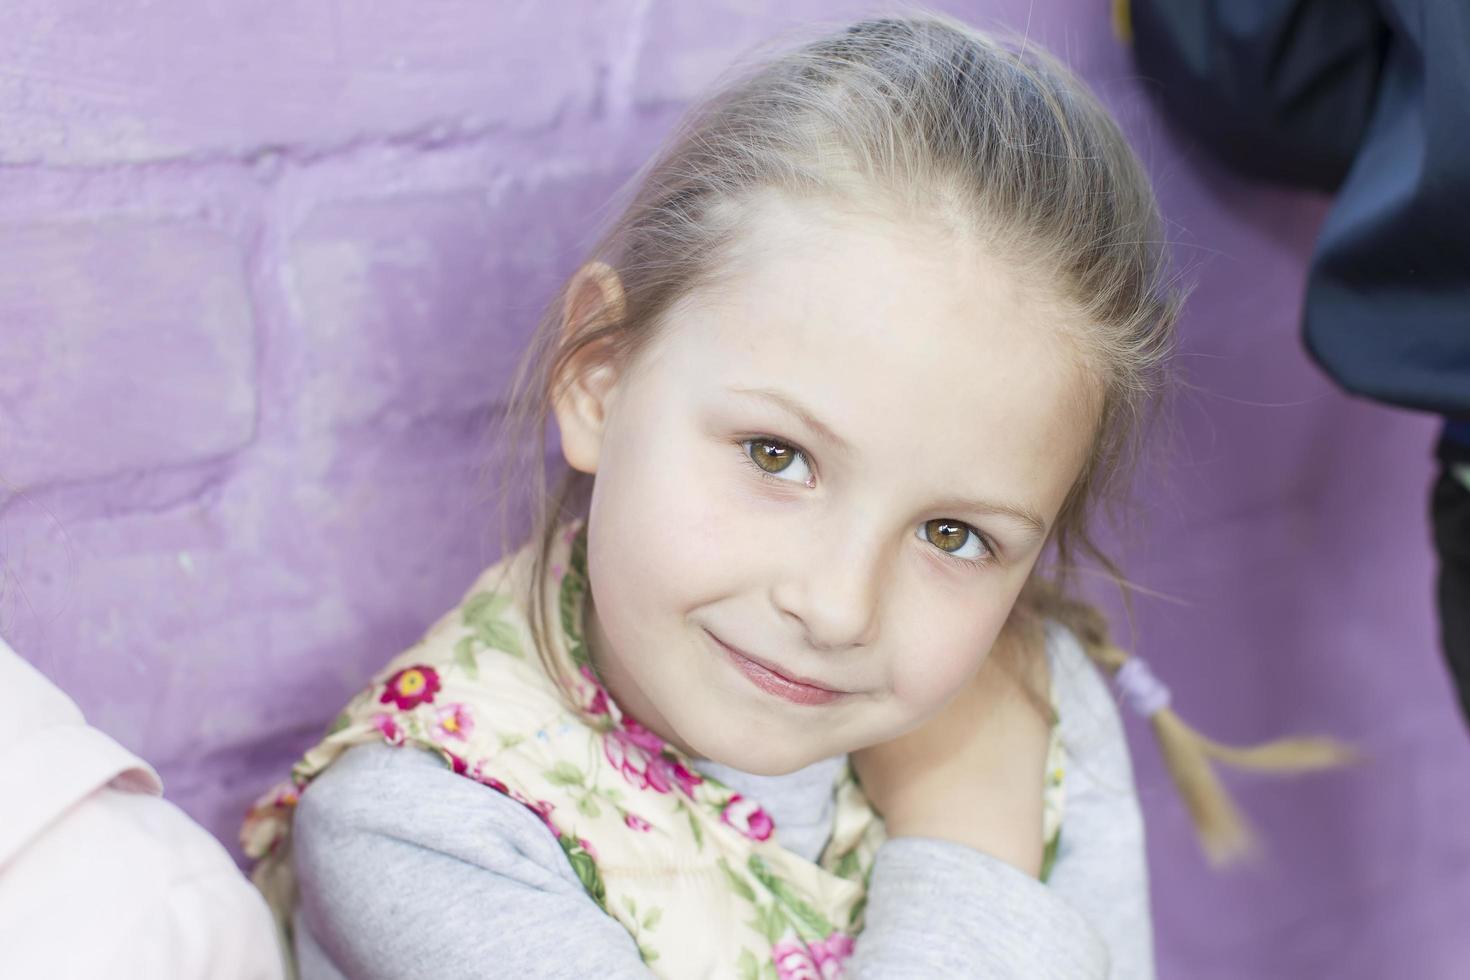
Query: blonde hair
[(926, 114)]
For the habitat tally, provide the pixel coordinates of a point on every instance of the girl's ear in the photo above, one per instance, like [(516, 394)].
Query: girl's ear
[(584, 393)]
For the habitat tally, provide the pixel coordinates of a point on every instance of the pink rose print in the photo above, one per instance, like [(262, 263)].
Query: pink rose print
[(481, 776), (626, 756), (285, 795), (453, 721), (747, 817), (687, 780), (636, 822), (411, 687), (388, 726), (639, 755), (598, 704), (641, 736), (541, 808), (830, 953), (794, 961), (267, 819), (587, 846)]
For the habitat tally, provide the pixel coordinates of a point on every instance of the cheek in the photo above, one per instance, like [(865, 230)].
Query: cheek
[(925, 684), (941, 664), (652, 533)]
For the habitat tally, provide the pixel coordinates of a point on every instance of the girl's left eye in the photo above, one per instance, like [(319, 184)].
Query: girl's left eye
[(948, 531), (770, 457)]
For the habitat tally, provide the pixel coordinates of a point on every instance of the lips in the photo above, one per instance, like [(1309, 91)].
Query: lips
[(768, 678)]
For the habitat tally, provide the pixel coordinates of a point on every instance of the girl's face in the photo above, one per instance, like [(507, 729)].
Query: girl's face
[(844, 465)]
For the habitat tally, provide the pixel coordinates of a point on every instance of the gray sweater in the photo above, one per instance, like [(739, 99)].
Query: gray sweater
[(408, 870)]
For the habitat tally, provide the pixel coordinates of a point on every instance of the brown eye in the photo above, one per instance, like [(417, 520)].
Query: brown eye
[(952, 536), (773, 457), (948, 535)]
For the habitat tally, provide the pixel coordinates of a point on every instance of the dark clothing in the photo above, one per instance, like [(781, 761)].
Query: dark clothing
[(1450, 515), (1369, 100)]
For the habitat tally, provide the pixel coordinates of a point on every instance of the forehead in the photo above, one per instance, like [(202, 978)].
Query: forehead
[(911, 341)]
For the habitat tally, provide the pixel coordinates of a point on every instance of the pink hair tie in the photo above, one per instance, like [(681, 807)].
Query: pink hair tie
[(1144, 692)]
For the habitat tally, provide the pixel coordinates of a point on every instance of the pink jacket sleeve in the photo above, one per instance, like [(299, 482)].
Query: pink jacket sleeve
[(99, 875)]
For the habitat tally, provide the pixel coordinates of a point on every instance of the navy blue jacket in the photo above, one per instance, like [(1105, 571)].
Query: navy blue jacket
[(1371, 101)]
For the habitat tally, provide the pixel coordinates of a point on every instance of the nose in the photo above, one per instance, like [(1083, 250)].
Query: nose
[(834, 588)]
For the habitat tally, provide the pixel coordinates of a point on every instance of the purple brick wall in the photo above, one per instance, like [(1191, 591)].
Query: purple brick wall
[(263, 274)]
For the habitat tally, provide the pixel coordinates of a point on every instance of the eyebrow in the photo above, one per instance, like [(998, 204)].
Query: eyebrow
[(793, 407), (790, 405)]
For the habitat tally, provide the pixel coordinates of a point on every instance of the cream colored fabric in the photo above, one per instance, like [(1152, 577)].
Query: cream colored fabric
[(693, 870)]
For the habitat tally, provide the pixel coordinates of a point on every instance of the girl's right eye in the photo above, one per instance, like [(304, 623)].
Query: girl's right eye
[(771, 456)]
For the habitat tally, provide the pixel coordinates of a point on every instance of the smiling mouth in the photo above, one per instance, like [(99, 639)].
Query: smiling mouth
[(772, 681)]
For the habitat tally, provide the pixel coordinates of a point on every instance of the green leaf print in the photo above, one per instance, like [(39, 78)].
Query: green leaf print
[(586, 870), (464, 655), (500, 635), (339, 723), (848, 865), (811, 923), (565, 773), (573, 587), (741, 886), (484, 606), (748, 966), (769, 922), (695, 829), (588, 807), (1049, 856), (484, 614), (636, 927)]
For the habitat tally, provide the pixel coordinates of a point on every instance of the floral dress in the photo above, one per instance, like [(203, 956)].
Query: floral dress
[(694, 871)]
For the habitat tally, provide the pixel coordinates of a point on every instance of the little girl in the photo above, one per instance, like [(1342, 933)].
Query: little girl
[(787, 681)]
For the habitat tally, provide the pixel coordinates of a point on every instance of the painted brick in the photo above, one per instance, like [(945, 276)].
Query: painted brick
[(419, 306), (88, 84), (149, 321)]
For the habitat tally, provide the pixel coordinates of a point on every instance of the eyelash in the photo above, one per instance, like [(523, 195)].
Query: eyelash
[(990, 550)]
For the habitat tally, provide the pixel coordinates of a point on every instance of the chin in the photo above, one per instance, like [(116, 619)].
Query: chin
[(760, 758)]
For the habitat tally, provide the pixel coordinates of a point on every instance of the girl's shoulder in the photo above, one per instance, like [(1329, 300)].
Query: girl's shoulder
[(1089, 717), (406, 794), (390, 834), (1077, 680)]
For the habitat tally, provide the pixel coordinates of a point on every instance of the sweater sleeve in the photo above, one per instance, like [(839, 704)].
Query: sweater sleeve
[(1101, 867), (941, 909), (407, 869), (937, 908)]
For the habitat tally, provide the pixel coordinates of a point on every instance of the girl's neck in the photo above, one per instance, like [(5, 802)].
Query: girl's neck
[(630, 699)]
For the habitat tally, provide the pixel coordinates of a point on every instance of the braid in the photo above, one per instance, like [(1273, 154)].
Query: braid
[(1221, 829)]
